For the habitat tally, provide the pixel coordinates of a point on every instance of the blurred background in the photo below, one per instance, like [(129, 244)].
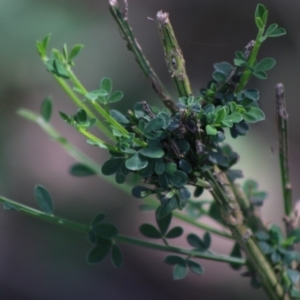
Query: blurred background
[(43, 261)]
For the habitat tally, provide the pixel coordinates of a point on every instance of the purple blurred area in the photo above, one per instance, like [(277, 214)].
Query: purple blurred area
[(43, 261)]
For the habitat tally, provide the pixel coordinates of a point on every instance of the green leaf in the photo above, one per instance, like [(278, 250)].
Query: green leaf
[(105, 230), (293, 275), (220, 115), (60, 70), (66, 118), (275, 257), (271, 29), (174, 260), (180, 271), (236, 252), (40, 48), (196, 242), (115, 97), (175, 232), (46, 109), (97, 220), (159, 166), (249, 187), (167, 208), (223, 67), (116, 256), (43, 198), (75, 51), (207, 239), (219, 77), (177, 179), (198, 191), (170, 167), (81, 116), (163, 181), (265, 64), (141, 192), (46, 40), (295, 293), (81, 170), (259, 23), (276, 234), (98, 253), (163, 223), (150, 231), (253, 115), (260, 75), (210, 130), (184, 193), (95, 94), (154, 125), (106, 85), (195, 267), (152, 152), (252, 94), (277, 32), (260, 11), (262, 235), (136, 162), (111, 166), (265, 247), (185, 166), (118, 116), (9, 206)]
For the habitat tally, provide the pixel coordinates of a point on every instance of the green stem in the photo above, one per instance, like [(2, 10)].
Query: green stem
[(135, 48), (191, 253), (251, 61), (173, 55), (119, 238), (233, 217), (282, 118)]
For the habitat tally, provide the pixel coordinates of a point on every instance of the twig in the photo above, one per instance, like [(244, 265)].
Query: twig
[(173, 55), (282, 118), (135, 48)]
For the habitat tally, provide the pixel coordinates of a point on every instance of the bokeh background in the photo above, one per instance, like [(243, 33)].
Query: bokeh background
[(43, 261)]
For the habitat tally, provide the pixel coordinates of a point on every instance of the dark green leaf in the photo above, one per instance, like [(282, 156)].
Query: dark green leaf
[(253, 115), (163, 181), (275, 257), (276, 234), (46, 109), (252, 94), (219, 77), (154, 125), (262, 235), (98, 253), (75, 51), (65, 118), (115, 97), (265, 64), (163, 223), (177, 179), (136, 162), (97, 220), (82, 116), (236, 252), (265, 247), (195, 267), (111, 166), (223, 67), (116, 256), (152, 152), (105, 230), (196, 242), (106, 84), (141, 192), (180, 271), (43, 198), (185, 166), (174, 232), (159, 166), (214, 213), (198, 191), (81, 170), (118, 116), (120, 177), (207, 239), (174, 260), (260, 11), (167, 208), (271, 28), (150, 231), (293, 275), (184, 193)]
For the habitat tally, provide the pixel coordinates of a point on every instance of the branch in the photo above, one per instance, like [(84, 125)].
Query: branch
[(282, 118), (173, 55), (93, 165), (135, 48)]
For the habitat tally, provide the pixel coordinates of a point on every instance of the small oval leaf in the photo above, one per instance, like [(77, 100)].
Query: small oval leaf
[(43, 198), (81, 170), (150, 231), (116, 256)]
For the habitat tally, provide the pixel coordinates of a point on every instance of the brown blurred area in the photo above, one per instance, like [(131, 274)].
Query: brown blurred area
[(43, 261)]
